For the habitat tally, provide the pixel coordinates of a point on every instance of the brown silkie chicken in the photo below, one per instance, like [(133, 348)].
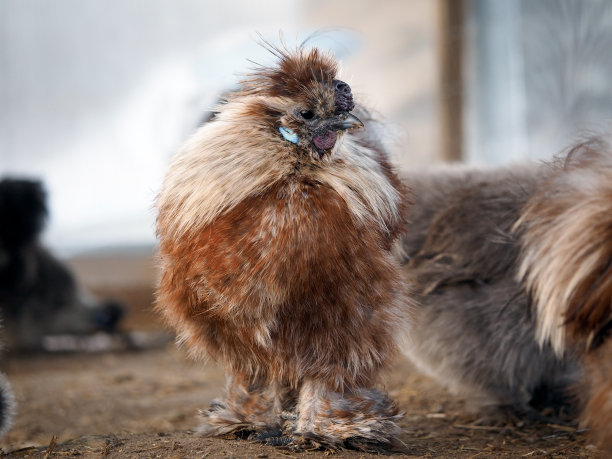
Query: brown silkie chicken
[(276, 222), (567, 265)]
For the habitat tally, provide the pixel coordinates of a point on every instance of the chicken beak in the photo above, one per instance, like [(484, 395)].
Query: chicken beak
[(346, 121)]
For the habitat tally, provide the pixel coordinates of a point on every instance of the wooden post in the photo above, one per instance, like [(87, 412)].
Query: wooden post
[(451, 78)]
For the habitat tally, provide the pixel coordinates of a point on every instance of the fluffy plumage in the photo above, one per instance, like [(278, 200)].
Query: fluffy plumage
[(7, 405), (511, 272), (567, 266), (276, 221), (472, 329)]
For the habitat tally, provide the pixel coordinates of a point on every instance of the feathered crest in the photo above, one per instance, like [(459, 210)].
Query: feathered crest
[(293, 73)]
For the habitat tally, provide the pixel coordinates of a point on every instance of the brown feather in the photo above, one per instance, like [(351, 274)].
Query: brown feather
[(597, 380), (567, 248), (567, 266)]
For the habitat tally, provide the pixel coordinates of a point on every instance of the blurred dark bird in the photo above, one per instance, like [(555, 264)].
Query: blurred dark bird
[(39, 295), (276, 222)]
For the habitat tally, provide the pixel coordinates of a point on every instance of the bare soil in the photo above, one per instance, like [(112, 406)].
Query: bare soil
[(144, 403)]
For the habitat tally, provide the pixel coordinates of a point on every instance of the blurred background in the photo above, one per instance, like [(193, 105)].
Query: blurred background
[(97, 96)]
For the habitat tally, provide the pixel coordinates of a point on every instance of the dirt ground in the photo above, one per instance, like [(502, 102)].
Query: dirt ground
[(143, 403)]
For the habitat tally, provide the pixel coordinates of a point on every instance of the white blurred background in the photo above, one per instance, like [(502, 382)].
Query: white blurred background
[(97, 95)]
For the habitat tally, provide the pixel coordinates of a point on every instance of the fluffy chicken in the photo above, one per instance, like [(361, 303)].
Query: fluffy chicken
[(276, 221), (511, 273), (567, 266), (472, 329)]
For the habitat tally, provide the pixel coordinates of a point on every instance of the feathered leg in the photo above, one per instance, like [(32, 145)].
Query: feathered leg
[(360, 418), (250, 405)]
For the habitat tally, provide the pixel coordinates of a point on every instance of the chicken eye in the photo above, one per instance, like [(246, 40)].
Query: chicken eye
[(307, 114)]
